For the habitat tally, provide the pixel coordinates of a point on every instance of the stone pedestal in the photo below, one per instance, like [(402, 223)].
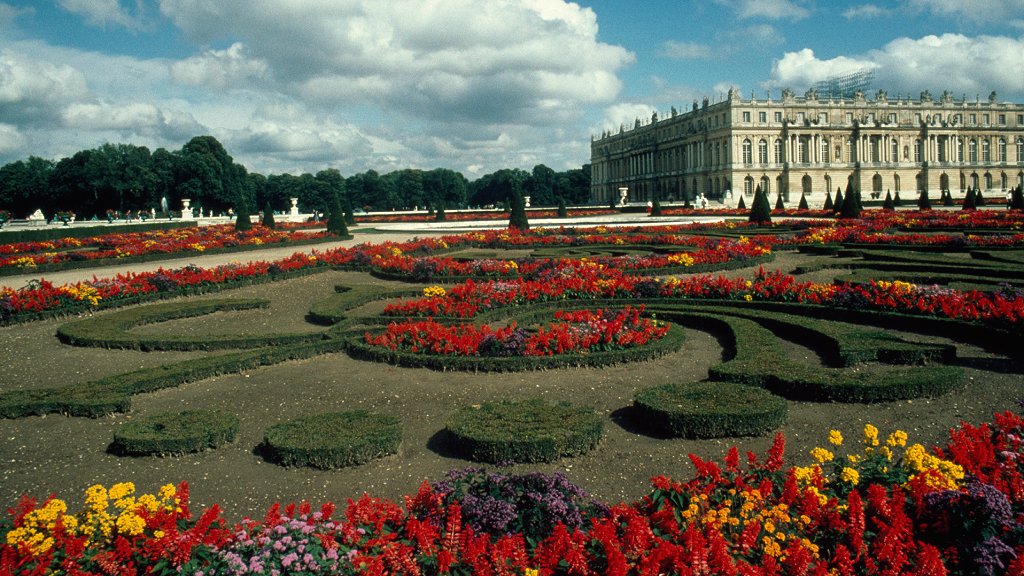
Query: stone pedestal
[(623, 195), (293, 214), (186, 211), (526, 201)]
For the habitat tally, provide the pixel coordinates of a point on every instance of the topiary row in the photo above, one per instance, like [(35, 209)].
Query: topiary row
[(710, 409)]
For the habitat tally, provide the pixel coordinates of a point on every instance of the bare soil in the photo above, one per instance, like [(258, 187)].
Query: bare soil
[(62, 455)]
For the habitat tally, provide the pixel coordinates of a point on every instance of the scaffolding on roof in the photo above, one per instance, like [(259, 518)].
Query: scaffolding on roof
[(846, 85)]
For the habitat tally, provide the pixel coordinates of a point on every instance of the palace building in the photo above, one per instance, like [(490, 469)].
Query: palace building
[(811, 145)]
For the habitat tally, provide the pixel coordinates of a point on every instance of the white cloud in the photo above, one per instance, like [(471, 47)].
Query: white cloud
[(954, 62), (625, 115), (676, 50), (865, 12), (103, 12), (230, 68), (978, 11), (10, 138), (32, 90), (9, 13), (770, 9)]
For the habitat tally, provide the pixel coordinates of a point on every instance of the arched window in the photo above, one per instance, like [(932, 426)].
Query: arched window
[(718, 155), (894, 150), (828, 183), (959, 149), (748, 186), (765, 185), (986, 155), (802, 152), (778, 151), (747, 152), (972, 151), (917, 151), (1020, 150), (896, 182), (762, 152), (824, 151), (1002, 150), (988, 181)]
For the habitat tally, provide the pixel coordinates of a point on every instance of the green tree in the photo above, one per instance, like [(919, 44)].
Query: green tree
[(829, 205), (268, 217), (656, 207), (336, 221), (25, 186), (888, 205), (779, 204), (740, 206), (760, 210), (1017, 199), (205, 175), (851, 206), (541, 186), (803, 202), (409, 187), (838, 206), (970, 200), (242, 220), (563, 212), (923, 203)]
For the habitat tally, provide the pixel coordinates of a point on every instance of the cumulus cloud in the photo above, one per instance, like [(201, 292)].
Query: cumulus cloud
[(103, 12), (498, 61), (625, 115), (955, 62), (10, 139), (33, 90), (230, 68)]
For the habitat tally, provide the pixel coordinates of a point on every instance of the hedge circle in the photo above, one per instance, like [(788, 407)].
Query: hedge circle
[(710, 409), (175, 433), (525, 431), (332, 440)]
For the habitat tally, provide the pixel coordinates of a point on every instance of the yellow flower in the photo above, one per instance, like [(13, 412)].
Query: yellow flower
[(822, 455), (897, 438), (870, 435), (434, 292), (835, 437), (748, 297), (850, 476), (131, 524), (531, 572), (119, 491)]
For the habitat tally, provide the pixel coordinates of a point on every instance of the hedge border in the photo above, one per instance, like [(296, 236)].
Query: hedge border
[(175, 433), (44, 234), (710, 409), (332, 440), (526, 431), (112, 330)]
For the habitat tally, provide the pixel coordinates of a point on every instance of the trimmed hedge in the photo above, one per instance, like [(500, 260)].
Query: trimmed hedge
[(112, 330), (332, 440), (757, 361), (175, 433), (113, 393), (10, 236), (331, 311), (710, 409), (525, 431)]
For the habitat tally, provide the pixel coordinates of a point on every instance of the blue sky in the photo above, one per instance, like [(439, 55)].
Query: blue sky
[(301, 85)]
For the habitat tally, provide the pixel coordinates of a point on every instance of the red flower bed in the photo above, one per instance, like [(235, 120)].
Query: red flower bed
[(887, 508)]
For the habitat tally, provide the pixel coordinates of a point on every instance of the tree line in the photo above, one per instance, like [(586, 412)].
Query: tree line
[(125, 177)]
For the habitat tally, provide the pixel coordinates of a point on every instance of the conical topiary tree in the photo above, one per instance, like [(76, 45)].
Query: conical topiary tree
[(923, 203), (1017, 199), (686, 202), (655, 207), (979, 198), (242, 220), (779, 204), (803, 202), (336, 221), (896, 199), (970, 200), (829, 205), (838, 205), (741, 206), (851, 206), (563, 212), (888, 205), (947, 199), (268, 217), (517, 217), (439, 216), (760, 210)]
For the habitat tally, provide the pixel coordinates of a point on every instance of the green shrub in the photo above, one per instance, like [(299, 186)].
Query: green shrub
[(268, 217), (710, 409), (517, 217), (970, 200), (563, 212), (656, 207), (175, 433), (923, 203), (336, 220), (242, 222), (525, 431), (332, 440), (803, 202), (889, 205), (829, 205)]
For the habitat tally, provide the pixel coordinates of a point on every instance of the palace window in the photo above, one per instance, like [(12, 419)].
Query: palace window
[(747, 152), (959, 149), (972, 119), (894, 150), (778, 116), (917, 151), (762, 117), (985, 155), (972, 151), (1020, 150), (1002, 119), (762, 152), (778, 151), (824, 151), (984, 120), (802, 151), (1002, 150), (746, 116)]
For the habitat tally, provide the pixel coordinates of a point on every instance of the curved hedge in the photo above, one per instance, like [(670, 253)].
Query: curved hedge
[(526, 431), (332, 440), (175, 433), (710, 409), (111, 330)]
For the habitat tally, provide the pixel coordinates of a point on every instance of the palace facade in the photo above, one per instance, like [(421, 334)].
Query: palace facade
[(811, 145)]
